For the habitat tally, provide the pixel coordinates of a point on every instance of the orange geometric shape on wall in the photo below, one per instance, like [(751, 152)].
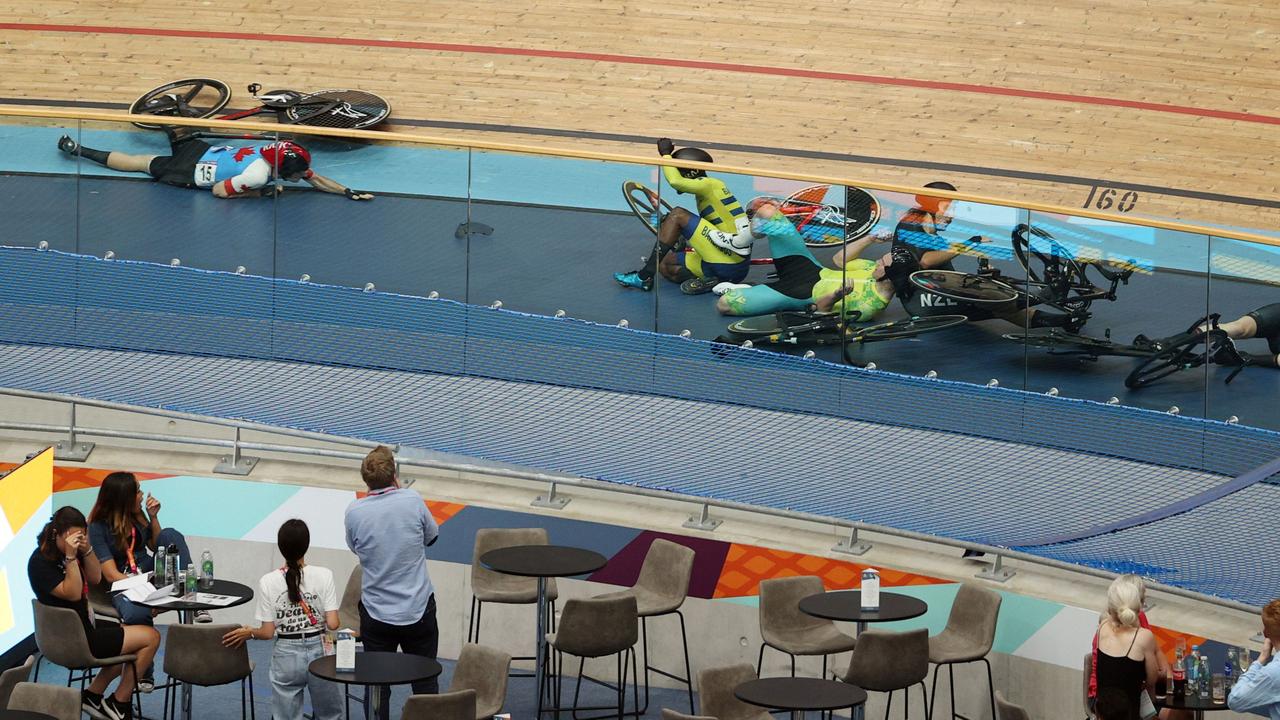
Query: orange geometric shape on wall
[(746, 566), (78, 478)]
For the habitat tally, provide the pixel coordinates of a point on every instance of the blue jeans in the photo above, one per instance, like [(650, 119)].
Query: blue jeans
[(289, 676)]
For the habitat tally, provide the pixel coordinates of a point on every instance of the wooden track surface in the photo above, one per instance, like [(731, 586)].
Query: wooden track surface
[(792, 81)]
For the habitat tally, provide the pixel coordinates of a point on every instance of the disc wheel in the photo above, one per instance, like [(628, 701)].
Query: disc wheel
[(338, 109), (645, 203), (910, 328), (963, 286), (189, 98)]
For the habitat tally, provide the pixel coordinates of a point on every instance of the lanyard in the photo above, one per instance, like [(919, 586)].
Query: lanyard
[(306, 609), (84, 591), (381, 491), (133, 538)]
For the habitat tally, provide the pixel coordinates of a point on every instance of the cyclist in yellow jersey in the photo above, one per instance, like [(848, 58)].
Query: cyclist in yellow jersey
[(716, 242), (855, 285)]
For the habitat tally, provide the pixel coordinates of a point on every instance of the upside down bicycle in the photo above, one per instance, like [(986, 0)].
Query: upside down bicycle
[(206, 97)]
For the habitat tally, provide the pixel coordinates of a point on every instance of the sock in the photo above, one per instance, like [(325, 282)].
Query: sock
[(98, 156), (651, 265)]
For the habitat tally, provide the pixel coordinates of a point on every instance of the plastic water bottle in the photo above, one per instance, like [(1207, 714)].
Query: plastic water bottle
[(1229, 670), (191, 579), (206, 569), (172, 573), (161, 568), (1203, 677)]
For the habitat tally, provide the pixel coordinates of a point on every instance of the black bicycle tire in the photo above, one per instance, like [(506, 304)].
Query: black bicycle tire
[(1053, 342), (224, 97), (1059, 297), (847, 232), (742, 327), (640, 209), (909, 328), (290, 115), (1163, 364), (1012, 292)]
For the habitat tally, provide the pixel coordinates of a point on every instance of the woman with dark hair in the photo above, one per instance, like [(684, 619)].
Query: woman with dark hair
[(124, 540), (61, 570), (296, 605)]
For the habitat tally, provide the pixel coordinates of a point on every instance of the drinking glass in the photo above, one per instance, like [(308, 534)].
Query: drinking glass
[(1218, 688)]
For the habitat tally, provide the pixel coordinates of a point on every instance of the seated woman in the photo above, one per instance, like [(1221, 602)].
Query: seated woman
[(124, 540), (296, 605), (61, 570), (1126, 657), (856, 284)]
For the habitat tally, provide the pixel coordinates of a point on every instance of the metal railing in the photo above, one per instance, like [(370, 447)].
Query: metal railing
[(74, 449)]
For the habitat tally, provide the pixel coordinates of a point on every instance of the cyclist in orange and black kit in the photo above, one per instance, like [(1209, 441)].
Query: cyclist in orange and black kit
[(718, 239)]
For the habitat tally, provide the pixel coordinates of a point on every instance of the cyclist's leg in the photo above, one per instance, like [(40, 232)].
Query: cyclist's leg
[(114, 160), (757, 300), (680, 266), (669, 233), (1266, 324)]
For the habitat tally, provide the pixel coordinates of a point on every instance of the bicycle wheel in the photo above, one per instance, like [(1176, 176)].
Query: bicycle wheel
[(1053, 339), (641, 201), (1176, 357), (190, 98), (339, 109), (824, 224), (963, 286), (1059, 276), (909, 328)]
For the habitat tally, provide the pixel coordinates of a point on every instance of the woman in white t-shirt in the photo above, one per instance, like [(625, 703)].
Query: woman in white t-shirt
[(296, 604)]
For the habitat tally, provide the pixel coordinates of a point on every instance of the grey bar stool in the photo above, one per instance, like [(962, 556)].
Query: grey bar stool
[(194, 654), (669, 714), (488, 586), (62, 703), (593, 628), (452, 705), (661, 589), (968, 637), (1009, 711), (60, 638), (885, 661), (483, 671), (716, 698), (785, 628), (11, 677)]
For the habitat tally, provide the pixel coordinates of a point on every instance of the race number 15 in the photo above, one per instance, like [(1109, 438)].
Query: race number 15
[(1107, 198)]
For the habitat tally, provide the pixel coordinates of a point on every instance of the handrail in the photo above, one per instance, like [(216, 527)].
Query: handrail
[(541, 477), (419, 139)]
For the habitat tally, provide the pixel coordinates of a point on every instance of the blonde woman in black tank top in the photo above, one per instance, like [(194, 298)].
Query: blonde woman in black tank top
[(1126, 651)]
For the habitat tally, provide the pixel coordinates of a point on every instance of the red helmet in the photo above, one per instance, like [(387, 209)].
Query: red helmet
[(289, 159)]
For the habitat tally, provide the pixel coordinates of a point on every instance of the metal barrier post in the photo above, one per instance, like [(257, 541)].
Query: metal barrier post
[(235, 463), (551, 499), (998, 572), (702, 521), (69, 450), (852, 545)]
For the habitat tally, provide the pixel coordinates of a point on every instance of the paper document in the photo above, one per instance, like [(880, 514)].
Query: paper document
[(130, 582), (215, 600), (146, 593)]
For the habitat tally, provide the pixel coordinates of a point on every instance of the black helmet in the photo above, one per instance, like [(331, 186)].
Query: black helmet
[(898, 271), (696, 155)]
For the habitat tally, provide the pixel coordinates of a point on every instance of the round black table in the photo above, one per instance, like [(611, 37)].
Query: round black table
[(186, 613), (243, 594), (799, 694), (376, 669), (846, 605), (542, 562), (1196, 704)]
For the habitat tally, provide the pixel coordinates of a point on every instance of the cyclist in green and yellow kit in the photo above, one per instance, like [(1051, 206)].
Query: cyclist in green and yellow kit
[(855, 285), (697, 251)]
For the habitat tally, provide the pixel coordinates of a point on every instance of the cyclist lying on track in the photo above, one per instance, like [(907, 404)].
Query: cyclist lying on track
[(861, 286), (1261, 323), (917, 246), (243, 170), (719, 234)]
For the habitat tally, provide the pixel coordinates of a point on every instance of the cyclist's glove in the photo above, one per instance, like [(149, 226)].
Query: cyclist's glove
[(666, 147), (357, 194)]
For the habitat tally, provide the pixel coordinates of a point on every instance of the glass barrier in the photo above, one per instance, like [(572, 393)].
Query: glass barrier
[(39, 187), (561, 229), (1241, 385)]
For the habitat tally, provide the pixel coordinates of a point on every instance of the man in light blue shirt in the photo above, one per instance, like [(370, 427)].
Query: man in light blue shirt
[(389, 530), (1258, 690)]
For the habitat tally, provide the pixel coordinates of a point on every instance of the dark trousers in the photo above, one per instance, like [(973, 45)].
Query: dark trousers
[(420, 638)]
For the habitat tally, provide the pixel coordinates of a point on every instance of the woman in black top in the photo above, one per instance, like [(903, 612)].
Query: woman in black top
[(1126, 661), (60, 571)]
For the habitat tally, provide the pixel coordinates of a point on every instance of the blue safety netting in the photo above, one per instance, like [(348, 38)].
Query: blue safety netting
[(990, 465)]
